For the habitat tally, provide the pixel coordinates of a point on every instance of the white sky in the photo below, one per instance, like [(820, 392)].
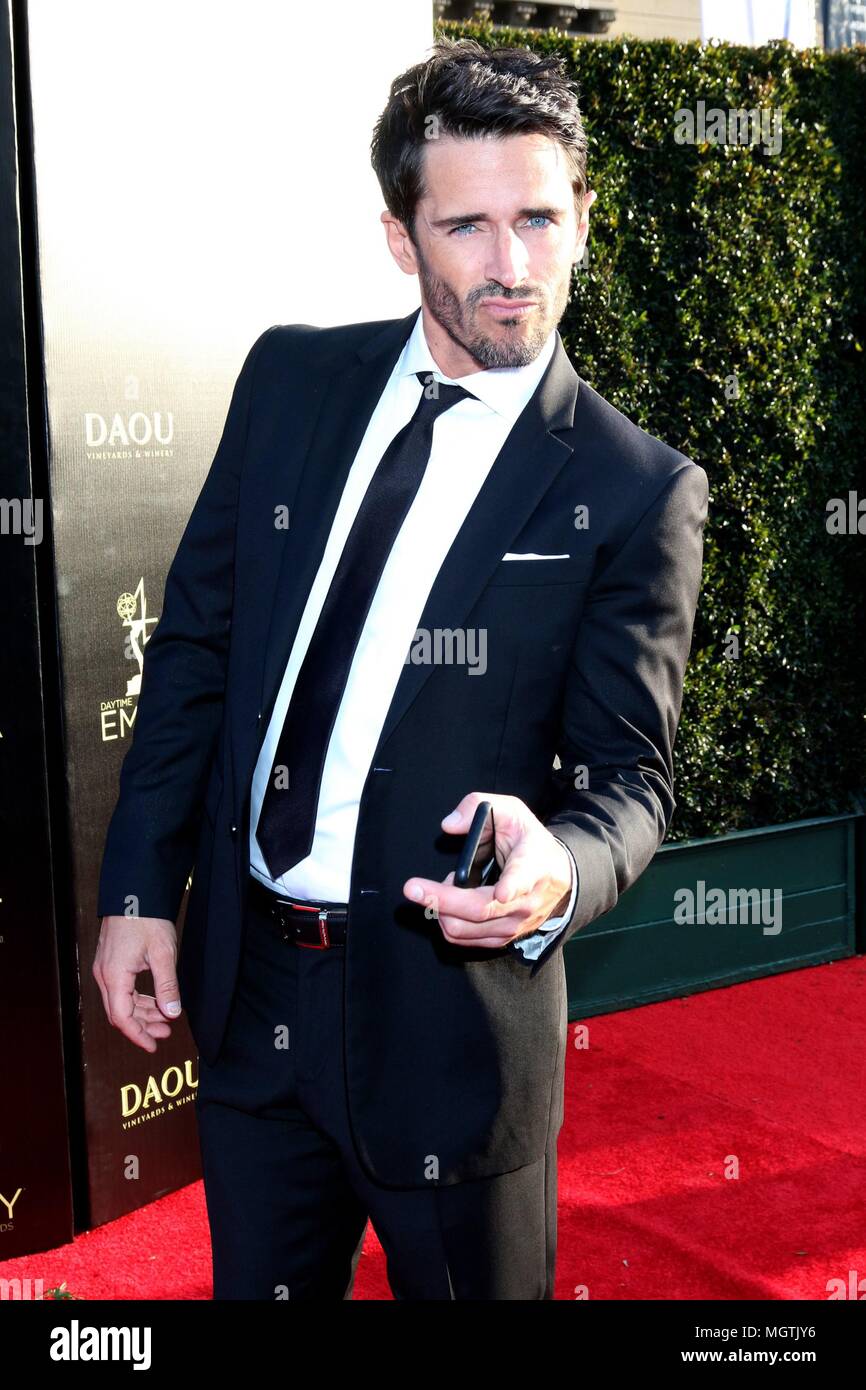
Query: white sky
[(757, 21)]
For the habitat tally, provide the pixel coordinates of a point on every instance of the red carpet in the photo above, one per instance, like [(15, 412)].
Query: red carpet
[(769, 1075)]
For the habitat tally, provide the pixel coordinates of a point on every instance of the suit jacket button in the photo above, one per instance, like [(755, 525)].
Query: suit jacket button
[(234, 831)]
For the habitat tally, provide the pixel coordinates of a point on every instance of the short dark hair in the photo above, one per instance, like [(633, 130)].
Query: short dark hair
[(473, 91)]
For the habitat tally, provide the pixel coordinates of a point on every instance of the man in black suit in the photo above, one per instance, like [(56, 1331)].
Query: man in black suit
[(486, 589)]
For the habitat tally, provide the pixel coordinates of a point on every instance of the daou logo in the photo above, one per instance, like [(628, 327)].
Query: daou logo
[(169, 1085), (137, 428)]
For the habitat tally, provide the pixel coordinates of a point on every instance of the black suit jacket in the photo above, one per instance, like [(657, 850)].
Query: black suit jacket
[(450, 1052)]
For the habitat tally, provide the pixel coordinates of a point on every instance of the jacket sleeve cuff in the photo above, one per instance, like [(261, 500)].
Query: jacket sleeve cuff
[(533, 944)]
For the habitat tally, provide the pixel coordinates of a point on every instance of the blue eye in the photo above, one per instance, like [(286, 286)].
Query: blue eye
[(456, 231), (540, 217)]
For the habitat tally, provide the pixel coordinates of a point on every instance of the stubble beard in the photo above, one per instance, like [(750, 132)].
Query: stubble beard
[(458, 318)]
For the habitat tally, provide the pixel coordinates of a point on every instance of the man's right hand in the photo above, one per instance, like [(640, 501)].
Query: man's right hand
[(128, 945)]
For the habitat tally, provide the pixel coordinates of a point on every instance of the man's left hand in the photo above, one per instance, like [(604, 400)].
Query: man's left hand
[(535, 882)]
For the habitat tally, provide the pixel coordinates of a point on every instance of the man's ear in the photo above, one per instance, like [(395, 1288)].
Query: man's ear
[(583, 225), (400, 243)]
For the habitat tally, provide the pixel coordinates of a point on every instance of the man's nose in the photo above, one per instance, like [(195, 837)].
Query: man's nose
[(508, 261)]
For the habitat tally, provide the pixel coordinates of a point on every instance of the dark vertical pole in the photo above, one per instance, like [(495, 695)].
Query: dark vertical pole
[(35, 1183)]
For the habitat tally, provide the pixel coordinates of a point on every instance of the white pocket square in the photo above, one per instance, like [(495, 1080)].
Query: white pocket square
[(530, 555)]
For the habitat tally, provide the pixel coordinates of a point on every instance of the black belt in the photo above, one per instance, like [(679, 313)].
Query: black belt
[(305, 923)]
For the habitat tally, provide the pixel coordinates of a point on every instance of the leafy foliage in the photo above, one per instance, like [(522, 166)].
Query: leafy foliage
[(722, 309)]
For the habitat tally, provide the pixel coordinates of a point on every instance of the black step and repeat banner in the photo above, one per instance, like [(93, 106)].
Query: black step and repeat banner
[(196, 177)]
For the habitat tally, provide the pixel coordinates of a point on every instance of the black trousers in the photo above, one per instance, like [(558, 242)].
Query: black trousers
[(287, 1200)]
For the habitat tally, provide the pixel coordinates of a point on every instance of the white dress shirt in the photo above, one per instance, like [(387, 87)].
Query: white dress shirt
[(466, 441)]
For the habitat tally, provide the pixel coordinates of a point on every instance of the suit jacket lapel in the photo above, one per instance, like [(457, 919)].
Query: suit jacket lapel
[(521, 474)]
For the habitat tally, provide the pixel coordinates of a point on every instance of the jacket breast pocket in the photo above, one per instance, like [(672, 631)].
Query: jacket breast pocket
[(556, 570)]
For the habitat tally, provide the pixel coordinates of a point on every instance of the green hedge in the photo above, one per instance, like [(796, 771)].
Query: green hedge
[(713, 261)]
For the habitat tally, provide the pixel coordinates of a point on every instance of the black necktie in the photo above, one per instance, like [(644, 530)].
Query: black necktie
[(288, 815)]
